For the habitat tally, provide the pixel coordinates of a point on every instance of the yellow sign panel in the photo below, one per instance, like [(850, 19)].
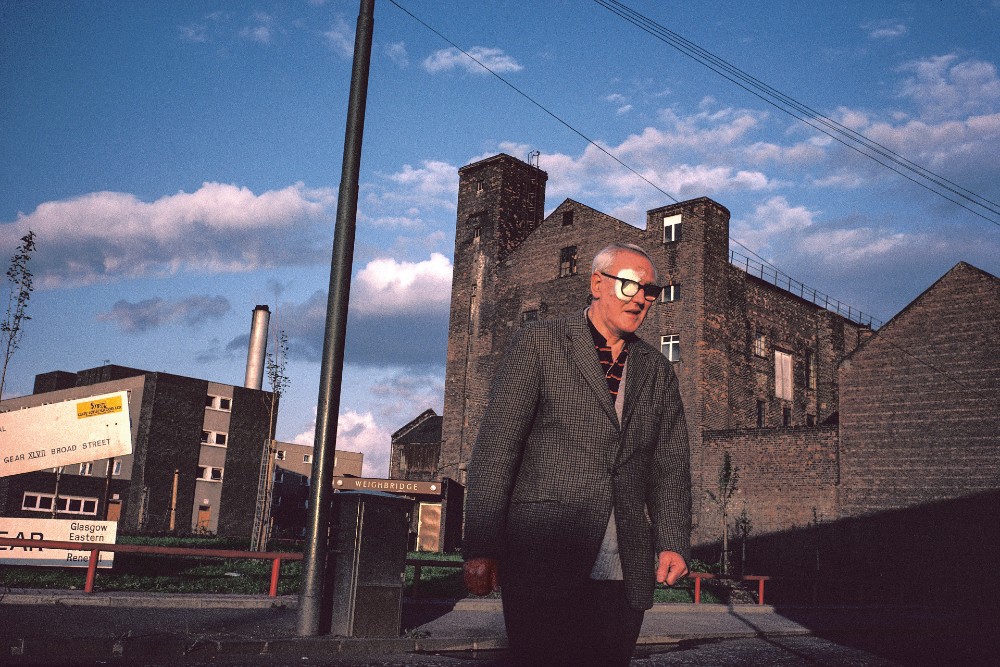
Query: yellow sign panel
[(98, 407)]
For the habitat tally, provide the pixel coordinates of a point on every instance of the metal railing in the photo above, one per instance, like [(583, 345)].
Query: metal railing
[(419, 563), (771, 275), (95, 555), (277, 557)]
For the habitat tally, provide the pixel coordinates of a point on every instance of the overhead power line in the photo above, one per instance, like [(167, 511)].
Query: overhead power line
[(925, 178), (778, 273)]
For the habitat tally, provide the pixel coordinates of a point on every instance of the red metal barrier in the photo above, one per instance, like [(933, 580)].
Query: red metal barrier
[(698, 576), (418, 563), (95, 554)]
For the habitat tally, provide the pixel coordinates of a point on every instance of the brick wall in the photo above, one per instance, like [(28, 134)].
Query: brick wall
[(920, 419), (787, 477), (248, 430)]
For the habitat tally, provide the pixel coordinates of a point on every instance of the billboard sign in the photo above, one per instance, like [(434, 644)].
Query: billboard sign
[(60, 434), (60, 530)]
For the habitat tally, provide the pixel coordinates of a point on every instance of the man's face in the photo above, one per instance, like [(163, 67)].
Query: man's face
[(611, 310)]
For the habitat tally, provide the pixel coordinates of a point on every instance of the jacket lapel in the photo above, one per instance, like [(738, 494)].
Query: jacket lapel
[(637, 376), (582, 346)]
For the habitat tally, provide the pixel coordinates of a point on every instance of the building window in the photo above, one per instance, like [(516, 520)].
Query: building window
[(215, 438), (279, 476), (810, 420), (786, 416), (479, 187), (529, 315), (218, 403), (567, 261), (783, 375), (672, 228), (279, 455), (670, 346), (42, 502), (761, 413), (87, 468), (671, 292), (475, 221), (567, 219), (473, 310), (760, 344), (307, 458), (304, 481), (210, 473), (117, 469), (810, 369)]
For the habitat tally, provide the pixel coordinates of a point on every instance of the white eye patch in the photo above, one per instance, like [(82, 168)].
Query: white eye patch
[(627, 274)]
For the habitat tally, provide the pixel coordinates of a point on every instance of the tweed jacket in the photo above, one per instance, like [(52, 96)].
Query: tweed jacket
[(552, 459)]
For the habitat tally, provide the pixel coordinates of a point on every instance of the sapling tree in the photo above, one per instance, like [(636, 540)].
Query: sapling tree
[(742, 527), (18, 294), (729, 477)]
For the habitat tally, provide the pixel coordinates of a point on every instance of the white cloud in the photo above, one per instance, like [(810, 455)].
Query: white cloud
[(624, 109), (860, 246), (447, 60), (105, 236), (885, 29), (358, 432), (774, 219), (398, 222), (433, 178), (193, 33), (261, 32), (416, 287), (413, 191), (397, 54), (944, 87), (340, 37)]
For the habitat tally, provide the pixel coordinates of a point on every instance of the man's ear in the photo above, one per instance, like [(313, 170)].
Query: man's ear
[(595, 285)]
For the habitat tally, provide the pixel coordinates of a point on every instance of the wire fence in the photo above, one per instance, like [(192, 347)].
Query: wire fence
[(778, 279)]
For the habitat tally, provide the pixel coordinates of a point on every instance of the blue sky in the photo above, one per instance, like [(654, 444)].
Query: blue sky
[(179, 163)]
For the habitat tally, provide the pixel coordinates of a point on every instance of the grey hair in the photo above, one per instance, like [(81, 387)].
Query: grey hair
[(606, 257)]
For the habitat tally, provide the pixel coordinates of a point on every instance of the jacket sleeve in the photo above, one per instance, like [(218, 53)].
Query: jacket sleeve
[(669, 495), (497, 454)]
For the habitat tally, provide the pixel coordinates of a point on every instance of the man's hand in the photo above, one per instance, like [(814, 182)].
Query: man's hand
[(671, 568), (481, 575)]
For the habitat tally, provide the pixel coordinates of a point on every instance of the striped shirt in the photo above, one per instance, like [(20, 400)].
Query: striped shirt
[(613, 368)]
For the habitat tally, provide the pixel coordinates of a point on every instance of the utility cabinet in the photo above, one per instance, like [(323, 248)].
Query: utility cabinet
[(369, 563)]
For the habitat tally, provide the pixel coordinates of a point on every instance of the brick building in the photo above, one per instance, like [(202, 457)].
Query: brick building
[(859, 453), (911, 481), (208, 438), (416, 449), (291, 481), (749, 354)]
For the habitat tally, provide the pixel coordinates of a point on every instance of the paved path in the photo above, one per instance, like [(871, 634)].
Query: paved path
[(71, 628)]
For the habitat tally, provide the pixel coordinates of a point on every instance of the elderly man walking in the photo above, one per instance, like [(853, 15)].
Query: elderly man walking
[(579, 487)]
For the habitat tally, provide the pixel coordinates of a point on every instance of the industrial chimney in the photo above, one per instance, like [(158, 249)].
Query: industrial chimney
[(258, 348)]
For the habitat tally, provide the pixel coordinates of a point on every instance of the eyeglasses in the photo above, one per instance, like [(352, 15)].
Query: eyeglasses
[(630, 287)]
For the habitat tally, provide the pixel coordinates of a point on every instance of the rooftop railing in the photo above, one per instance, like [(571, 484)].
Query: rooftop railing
[(771, 275)]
